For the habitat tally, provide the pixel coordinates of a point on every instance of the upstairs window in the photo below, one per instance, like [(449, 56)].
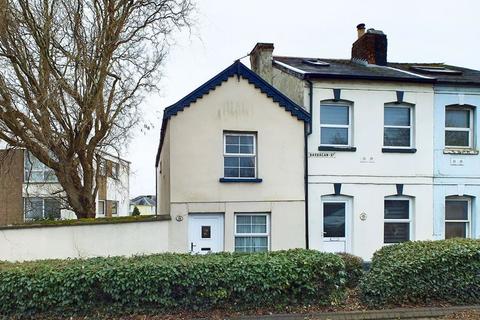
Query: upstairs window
[(397, 127), (457, 217), (335, 125), (36, 171), (459, 127), (239, 155), (397, 224)]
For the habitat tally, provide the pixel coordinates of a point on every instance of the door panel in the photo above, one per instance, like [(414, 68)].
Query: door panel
[(205, 233), (335, 225)]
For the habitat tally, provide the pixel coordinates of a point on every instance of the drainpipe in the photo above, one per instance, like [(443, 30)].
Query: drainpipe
[(308, 131)]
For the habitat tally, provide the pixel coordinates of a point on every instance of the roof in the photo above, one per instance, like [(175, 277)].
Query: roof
[(318, 68), (147, 200), (236, 69)]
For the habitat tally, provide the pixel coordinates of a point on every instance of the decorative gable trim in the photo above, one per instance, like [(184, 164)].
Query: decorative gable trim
[(237, 69)]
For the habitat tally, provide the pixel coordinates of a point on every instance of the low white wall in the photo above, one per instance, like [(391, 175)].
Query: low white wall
[(83, 241)]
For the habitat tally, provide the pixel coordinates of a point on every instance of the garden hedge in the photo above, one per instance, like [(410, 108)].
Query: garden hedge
[(353, 268), (424, 271), (171, 282)]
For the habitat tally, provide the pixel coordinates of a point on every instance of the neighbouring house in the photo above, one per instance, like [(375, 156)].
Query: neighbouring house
[(392, 147), (230, 167), (147, 205), (30, 191)]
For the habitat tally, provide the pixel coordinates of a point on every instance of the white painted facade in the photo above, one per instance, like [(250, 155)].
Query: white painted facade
[(367, 175)]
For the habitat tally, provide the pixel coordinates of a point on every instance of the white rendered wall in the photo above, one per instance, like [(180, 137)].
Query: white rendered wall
[(83, 241)]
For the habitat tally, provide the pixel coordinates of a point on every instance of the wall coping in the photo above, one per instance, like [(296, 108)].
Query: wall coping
[(86, 222)]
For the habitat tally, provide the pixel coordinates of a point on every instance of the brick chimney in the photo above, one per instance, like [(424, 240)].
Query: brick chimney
[(370, 46), (261, 60)]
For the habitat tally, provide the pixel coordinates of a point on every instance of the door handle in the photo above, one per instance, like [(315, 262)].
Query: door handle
[(192, 246)]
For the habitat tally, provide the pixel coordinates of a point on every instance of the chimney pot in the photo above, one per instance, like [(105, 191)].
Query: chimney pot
[(360, 30)]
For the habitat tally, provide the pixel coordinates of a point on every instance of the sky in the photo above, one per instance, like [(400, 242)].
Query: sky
[(225, 30)]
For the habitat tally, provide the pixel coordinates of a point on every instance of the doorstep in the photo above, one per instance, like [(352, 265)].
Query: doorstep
[(386, 314)]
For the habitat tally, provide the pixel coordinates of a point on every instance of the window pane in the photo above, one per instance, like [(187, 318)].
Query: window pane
[(259, 220), (244, 219), (457, 138), (33, 208), (397, 209), (457, 118), (396, 232), (396, 116), (52, 209), (244, 228), (247, 162), (49, 175), (251, 244), (455, 230), (246, 140), (232, 148), (231, 172), (247, 172), (334, 115), (34, 176), (334, 136), (31, 162), (231, 162), (101, 207), (245, 149), (396, 137), (229, 139), (334, 220), (456, 210)]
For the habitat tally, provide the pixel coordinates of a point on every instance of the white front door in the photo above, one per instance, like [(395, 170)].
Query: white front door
[(205, 232), (336, 231)]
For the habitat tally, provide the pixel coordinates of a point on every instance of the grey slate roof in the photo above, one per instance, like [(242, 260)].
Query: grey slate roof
[(348, 69), (144, 201)]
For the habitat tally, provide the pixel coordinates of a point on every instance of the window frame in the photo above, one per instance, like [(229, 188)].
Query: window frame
[(28, 161), (245, 155), (349, 127), (409, 220), (470, 129), (112, 203), (245, 235), (411, 126), (103, 202), (469, 215), (25, 199)]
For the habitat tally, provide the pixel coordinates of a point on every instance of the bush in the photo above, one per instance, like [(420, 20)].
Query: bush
[(353, 268), (171, 282), (135, 211), (424, 271)]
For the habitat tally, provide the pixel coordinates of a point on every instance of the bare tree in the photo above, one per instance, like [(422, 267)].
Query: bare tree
[(72, 75)]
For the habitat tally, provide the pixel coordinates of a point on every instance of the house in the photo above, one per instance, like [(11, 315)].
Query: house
[(30, 191), (392, 153), (230, 167), (145, 204)]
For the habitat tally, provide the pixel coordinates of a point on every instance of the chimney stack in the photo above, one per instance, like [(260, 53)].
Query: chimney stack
[(261, 58), (360, 30), (371, 46)]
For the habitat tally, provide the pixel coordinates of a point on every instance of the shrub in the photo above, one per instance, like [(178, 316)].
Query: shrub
[(353, 268), (135, 211), (424, 271), (171, 282)]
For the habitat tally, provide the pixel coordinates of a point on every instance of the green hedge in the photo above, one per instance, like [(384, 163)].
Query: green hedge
[(172, 282), (353, 268), (424, 271)]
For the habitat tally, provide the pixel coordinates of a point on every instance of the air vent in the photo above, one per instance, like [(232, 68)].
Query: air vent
[(435, 69), (316, 62)]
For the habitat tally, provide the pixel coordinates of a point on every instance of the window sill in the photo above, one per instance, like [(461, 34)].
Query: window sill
[(340, 149), (234, 180), (465, 151), (399, 150)]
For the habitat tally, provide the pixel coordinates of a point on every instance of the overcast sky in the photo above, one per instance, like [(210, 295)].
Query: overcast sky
[(417, 31)]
